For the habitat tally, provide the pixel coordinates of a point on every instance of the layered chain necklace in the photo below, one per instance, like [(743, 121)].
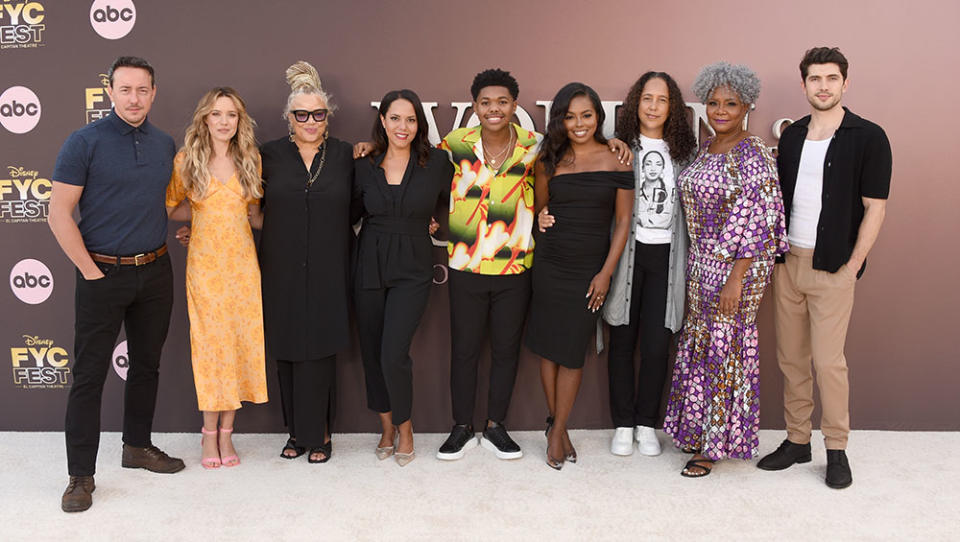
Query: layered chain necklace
[(323, 159), (496, 160)]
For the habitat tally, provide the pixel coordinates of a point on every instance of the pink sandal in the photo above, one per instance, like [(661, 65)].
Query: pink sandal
[(230, 460), (209, 462)]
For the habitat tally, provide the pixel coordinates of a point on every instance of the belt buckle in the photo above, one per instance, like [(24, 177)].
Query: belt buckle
[(137, 262)]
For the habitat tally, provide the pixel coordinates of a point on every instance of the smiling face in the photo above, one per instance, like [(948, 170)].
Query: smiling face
[(824, 86), (223, 119), (580, 121), (310, 132), (654, 107), (725, 111), (132, 93), (400, 123), (494, 107)]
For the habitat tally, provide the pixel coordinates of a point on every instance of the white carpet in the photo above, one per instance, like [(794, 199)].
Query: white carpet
[(905, 488)]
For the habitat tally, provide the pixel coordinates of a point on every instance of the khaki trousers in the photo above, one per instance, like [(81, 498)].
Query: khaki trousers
[(811, 314)]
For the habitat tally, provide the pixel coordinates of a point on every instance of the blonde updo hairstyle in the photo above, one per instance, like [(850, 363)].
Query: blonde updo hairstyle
[(304, 79), (198, 148)]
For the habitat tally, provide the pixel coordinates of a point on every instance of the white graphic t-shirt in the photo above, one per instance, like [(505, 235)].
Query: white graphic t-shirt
[(656, 190)]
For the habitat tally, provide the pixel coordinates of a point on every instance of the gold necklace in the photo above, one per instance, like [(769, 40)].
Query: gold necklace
[(493, 160)]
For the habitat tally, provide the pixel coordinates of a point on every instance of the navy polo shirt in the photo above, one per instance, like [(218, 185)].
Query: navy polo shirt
[(124, 171)]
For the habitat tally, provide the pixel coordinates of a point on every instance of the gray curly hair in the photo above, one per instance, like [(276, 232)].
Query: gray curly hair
[(738, 78)]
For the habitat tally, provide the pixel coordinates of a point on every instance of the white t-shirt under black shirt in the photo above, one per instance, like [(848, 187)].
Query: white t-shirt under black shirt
[(656, 191), (805, 211)]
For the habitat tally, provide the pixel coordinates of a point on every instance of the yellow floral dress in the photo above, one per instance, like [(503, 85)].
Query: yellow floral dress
[(223, 295)]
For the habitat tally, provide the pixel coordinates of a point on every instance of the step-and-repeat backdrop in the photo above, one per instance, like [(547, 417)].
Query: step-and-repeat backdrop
[(54, 56)]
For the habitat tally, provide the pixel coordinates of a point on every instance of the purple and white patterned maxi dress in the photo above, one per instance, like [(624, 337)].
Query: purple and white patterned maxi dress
[(734, 209)]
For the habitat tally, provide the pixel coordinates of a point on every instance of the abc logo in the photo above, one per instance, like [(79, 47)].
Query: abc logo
[(19, 109), (31, 281), (121, 360), (113, 19)]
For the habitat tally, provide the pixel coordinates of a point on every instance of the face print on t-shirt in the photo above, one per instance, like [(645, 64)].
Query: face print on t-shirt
[(656, 196)]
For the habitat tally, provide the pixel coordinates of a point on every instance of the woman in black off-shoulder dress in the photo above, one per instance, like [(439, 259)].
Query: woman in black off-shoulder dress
[(586, 189)]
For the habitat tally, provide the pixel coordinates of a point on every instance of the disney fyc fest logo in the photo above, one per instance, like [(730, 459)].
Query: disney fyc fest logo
[(39, 363), (19, 109), (96, 101), (113, 19), (31, 281), (24, 195), (20, 24)]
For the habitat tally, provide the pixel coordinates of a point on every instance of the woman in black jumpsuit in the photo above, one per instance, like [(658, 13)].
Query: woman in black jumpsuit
[(400, 185)]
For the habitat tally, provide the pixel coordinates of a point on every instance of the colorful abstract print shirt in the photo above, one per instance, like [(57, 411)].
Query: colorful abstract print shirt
[(491, 211)]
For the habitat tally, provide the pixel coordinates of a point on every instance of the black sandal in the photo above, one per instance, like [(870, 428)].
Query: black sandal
[(326, 450), (546, 433), (292, 445), (697, 464)]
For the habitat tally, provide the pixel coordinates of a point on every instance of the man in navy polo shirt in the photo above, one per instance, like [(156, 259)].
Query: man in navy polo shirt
[(835, 174), (117, 170)]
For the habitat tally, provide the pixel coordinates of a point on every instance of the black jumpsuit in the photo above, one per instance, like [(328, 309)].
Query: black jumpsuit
[(394, 273)]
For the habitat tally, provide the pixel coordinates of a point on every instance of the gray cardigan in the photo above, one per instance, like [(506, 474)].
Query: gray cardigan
[(616, 310)]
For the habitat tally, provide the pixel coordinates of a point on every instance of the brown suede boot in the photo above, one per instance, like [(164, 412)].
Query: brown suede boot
[(150, 458), (78, 495)]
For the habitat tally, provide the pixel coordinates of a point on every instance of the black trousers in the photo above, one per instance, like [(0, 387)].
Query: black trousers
[(476, 302), (387, 318), (307, 397), (648, 306), (140, 298)]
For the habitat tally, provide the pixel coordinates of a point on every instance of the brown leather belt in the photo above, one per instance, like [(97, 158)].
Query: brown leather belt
[(139, 259)]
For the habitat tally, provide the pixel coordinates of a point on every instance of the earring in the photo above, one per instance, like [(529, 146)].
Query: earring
[(290, 133)]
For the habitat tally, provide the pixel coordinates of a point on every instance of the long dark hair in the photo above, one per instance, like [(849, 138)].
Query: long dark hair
[(677, 132), (420, 146), (555, 143)]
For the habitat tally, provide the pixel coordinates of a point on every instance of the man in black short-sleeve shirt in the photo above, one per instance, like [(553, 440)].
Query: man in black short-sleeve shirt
[(835, 175), (117, 170)]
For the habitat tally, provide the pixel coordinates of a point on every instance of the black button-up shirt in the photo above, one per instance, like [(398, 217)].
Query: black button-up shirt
[(857, 165)]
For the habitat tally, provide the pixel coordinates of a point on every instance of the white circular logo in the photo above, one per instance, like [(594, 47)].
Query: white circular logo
[(113, 19), (121, 360), (31, 281), (19, 109)]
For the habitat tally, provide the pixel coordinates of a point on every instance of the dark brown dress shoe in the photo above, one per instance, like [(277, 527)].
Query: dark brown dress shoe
[(79, 494), (150, 458)]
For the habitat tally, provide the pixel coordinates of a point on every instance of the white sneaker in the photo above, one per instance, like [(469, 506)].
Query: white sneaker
[(622, 443), (647, 441)]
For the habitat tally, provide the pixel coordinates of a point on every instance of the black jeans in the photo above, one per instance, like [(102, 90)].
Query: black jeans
[(387, 319), (477, 301), (140, 298), (648, 304)]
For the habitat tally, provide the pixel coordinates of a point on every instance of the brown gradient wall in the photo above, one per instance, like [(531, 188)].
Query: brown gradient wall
[(901, 345)]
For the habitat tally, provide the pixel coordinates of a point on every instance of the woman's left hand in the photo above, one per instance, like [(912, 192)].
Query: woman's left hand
[(624, 154), (597, 293), (434, 226), (730, 296)]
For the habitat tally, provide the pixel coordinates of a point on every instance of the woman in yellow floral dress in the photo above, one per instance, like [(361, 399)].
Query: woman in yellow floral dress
[(218, 173)]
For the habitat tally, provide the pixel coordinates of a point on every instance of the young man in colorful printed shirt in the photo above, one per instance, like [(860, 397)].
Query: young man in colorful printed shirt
[(490, 250)]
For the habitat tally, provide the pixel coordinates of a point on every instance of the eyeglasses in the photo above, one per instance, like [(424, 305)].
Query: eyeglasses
[(302, 115)]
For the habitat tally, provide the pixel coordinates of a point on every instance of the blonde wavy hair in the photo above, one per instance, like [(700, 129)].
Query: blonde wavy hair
[(198, 149), (304, 79)]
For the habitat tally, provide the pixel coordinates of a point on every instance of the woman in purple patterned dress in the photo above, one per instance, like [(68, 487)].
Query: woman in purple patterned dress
[(734, 211)]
